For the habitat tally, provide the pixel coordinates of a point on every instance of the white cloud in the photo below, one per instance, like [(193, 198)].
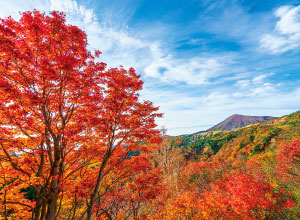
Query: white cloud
[(77, 13), (12, 8), (259, 79), (243, 83), (286, 34), (254, 87), (289, 22), (193, 71)]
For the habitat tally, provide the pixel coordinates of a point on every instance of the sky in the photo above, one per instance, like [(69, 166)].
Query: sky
[(201, 60)]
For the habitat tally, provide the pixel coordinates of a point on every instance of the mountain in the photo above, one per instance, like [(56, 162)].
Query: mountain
[(244, 142), (238, 121)]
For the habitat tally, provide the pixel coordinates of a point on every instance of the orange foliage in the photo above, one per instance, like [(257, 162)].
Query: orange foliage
[(66, 121), (288, 166)]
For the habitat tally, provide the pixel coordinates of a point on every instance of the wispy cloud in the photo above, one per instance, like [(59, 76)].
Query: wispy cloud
[(193, 71), (286, 34), (255, 87)]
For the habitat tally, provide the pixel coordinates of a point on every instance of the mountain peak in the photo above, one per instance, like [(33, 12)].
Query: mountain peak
[(237, 121)]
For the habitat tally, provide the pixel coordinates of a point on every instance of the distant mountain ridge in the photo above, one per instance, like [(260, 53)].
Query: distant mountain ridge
[(238, 121)]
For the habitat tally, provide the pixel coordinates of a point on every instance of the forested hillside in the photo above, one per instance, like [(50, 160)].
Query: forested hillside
[(249, 173), (250, 139)]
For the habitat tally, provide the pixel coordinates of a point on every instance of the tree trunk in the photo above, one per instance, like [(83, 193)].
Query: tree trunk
[(43, 213), (37, 210), (94, 194), (52, 200)]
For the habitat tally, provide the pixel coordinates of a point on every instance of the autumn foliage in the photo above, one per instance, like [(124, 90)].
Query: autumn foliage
[(76, 142), (288, 167), (66, 121), (230, 179)]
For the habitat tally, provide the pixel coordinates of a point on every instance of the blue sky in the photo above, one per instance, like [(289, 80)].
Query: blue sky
[(201, 61)]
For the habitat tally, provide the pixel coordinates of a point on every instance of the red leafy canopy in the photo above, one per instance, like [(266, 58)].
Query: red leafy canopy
[(288, 165), (60, 110)]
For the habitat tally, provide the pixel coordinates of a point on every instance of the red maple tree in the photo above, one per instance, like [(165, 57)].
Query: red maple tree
[(61, 112)]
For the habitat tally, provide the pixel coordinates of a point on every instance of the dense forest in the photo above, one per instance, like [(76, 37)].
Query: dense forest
[(76, 142)]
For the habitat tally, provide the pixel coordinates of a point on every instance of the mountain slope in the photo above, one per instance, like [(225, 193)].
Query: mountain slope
[(243, 142), (237, 121)]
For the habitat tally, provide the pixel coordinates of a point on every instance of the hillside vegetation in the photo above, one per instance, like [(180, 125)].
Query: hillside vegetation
[(242, 143), (249, 173)]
